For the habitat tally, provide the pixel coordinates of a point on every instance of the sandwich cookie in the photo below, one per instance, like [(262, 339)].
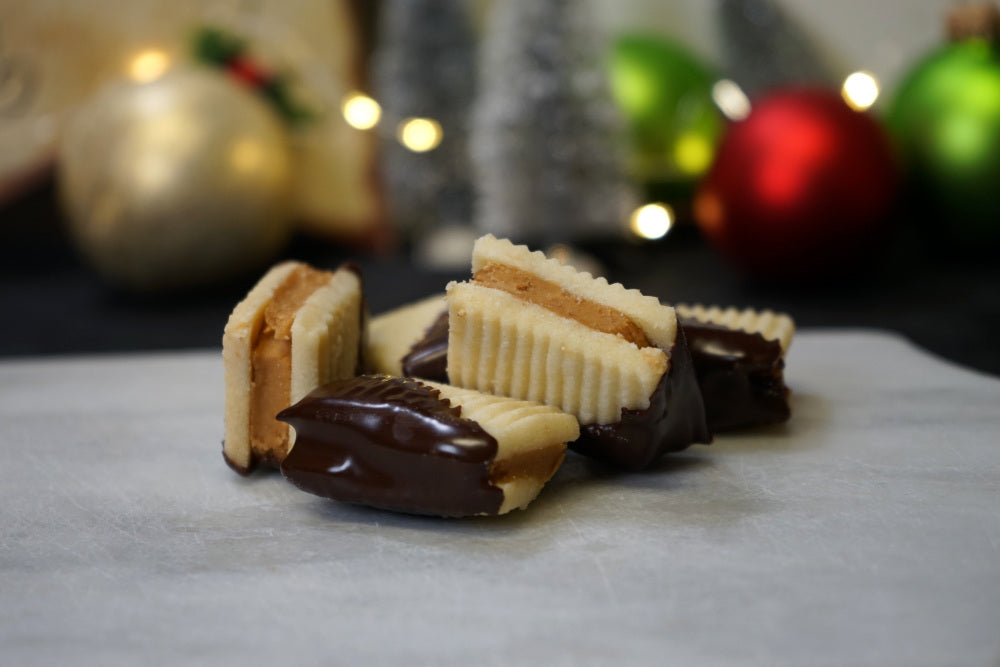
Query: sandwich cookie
[(297, 329), (532, 328)]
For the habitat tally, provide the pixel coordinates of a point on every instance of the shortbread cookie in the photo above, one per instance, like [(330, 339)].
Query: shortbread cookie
[(777, 327), (392, 335), (739, 358), (533, 328), (297, 329), (401, 444)]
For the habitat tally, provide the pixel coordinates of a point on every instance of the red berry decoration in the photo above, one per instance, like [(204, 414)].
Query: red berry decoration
[(248, 71), (800, 189)]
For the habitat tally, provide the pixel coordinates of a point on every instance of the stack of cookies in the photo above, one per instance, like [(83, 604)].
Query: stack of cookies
[(465, 403)]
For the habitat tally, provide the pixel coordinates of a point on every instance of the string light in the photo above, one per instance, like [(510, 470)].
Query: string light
[(149, 65), (652, 221), (692, 153), (420, 134), (360, 111), (860, 90), (731, 100)]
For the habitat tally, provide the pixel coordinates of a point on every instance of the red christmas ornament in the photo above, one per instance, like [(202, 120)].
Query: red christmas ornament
[(801, 187)]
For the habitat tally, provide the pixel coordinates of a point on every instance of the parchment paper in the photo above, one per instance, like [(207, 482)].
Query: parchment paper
[(866, 531)]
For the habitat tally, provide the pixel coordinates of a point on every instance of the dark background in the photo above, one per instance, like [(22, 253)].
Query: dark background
[(52, 303)]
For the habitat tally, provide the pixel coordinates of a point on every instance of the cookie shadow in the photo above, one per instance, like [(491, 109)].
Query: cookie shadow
[(487, 527), (580, 473), (576, 478), (810, 412)]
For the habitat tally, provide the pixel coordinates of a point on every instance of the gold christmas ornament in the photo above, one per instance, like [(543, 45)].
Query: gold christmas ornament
[(176, 182)]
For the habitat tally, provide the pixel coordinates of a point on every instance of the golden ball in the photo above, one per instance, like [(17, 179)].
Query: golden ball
[(177, 182)]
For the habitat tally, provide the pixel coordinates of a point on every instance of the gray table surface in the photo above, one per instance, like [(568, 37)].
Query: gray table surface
[(864, 532)]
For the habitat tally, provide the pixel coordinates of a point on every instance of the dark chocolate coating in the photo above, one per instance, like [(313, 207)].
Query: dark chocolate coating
[(391, 443), (740, 375), (674, 420), (428, 358)]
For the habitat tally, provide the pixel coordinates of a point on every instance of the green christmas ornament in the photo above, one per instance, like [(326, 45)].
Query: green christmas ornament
[(946, 122), (665, 95)]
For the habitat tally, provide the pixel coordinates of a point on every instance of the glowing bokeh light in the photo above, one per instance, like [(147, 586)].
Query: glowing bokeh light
[(420, 134), (652, 221), (860, 90), (148, 65), (693, 153), (731, 100), (360, 111)]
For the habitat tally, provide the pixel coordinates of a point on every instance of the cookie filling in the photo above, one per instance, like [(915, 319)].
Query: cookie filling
[(271, 371), (551, 296)]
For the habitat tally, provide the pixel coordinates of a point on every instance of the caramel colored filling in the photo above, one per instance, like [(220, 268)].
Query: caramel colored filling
[(537, 464), (551, 296), (270, 383)]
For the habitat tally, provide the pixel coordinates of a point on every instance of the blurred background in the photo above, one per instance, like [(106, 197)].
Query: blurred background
[(836, 161)]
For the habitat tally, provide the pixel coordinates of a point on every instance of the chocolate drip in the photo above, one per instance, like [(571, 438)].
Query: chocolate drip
[(674, 420), (740, 375), (391, 443), (428, 358)]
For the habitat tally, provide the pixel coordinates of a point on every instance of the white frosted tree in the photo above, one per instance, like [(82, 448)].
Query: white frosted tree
[(765, 49), (425, 67), (546, 144)]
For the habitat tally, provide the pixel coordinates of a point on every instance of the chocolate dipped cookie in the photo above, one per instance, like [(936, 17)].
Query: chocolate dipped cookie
[(297, 328), (739, 359), (530, 327), (393, 337), (405, 445)]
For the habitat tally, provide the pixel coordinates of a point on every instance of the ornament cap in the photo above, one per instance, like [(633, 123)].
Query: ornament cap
[(972, 20)]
